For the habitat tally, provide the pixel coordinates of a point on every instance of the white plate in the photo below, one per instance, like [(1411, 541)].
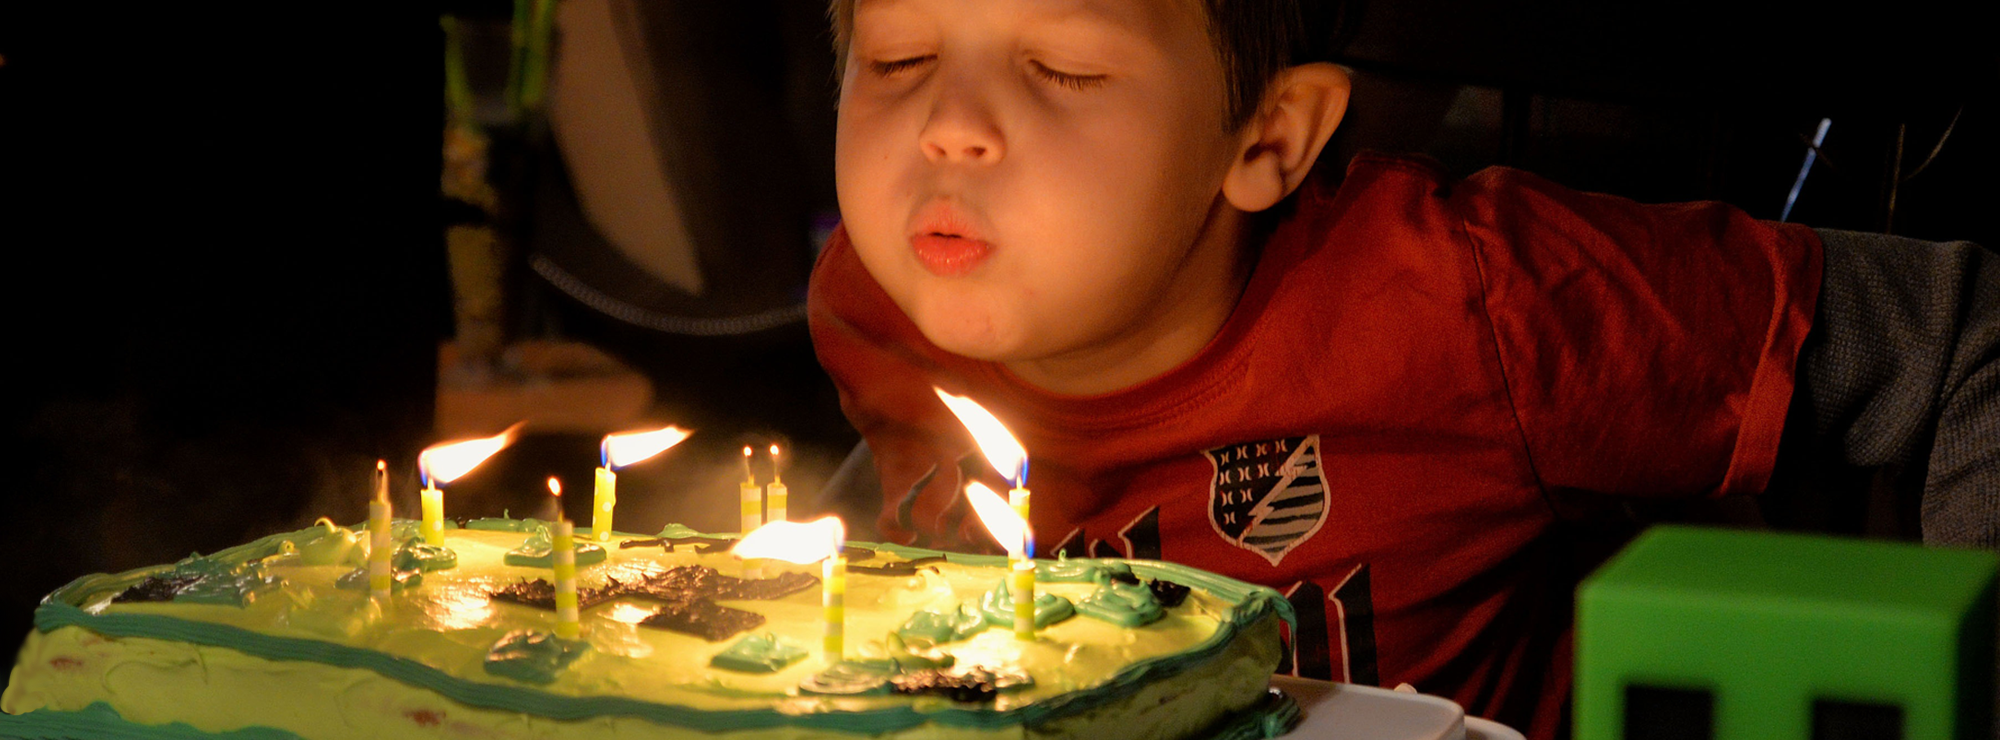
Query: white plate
[(1345, 711)]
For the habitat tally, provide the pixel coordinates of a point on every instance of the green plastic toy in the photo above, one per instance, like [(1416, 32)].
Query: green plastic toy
[(1733, 635)]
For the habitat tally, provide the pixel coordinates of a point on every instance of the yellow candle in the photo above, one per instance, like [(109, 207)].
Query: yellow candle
[(444, 463), (563, 540), (604, 500), (1023, 586), (433, 524), (833, 575), (617, 451), (378, 535)]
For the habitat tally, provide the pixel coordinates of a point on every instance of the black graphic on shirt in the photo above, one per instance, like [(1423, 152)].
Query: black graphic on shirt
[(1267, 497), (1141, 537), (1354, 606), (1311, 653), (1308, 656), (1070, 545)]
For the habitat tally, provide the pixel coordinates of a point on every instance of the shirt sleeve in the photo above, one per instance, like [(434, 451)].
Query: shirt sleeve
[(1900, 372), (1649, 350)]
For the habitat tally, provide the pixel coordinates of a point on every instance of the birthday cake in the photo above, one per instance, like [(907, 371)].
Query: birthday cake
[(280, 638)]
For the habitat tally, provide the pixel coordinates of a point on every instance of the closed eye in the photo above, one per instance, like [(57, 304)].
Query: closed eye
[(896, 66), (1065, 79)]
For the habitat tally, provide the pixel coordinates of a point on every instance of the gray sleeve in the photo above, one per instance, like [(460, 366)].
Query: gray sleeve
[(1900, 373)]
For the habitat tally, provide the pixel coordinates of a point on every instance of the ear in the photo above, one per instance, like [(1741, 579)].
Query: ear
[(1302, 106)]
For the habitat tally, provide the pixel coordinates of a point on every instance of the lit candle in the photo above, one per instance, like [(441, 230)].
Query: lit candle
[(751, 496), (1012, 532), (562, 544), (775, 494), (617, 451), (378, 535), (445, 463), (1000, 448), (803, 543)]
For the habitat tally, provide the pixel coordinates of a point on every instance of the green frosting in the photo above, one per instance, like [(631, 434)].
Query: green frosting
[(759, 653), (538, 552), (326, 543), (998, 604), (919, 655), (532, 657), (100, 722), (1278, 714), (934, 627), (1065, 570), (679, 531), (399, 580), (414, 553), (853, 678), (502, 524), (1120, 603), (1251, 605)]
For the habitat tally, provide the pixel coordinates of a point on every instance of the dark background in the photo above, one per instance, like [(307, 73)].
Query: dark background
[(226, 282)]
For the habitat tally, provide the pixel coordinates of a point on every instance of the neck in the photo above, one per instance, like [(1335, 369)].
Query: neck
[(1193, 309)]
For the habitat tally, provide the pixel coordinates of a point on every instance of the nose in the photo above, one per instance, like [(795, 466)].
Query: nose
[(962, 129)]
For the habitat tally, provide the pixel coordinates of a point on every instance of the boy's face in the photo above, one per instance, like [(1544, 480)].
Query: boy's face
[(1036, 182)]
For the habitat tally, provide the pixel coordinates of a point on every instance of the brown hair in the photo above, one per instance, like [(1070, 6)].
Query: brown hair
[(1254, 39)]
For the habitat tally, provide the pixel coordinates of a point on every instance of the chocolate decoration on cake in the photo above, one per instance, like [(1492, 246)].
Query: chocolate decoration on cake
[(1169, 593), (898, 568), (541, 594), (976, 684), (156, 588), (690, 593), (703, 545), (704, 619)]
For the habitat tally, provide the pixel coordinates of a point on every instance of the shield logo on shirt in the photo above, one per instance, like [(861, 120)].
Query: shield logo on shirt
[(1267, 497)]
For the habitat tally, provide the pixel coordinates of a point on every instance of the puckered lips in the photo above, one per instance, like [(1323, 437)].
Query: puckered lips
[(945, 242)]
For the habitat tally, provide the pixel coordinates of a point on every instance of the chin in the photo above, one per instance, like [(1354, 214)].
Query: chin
[(972, 334)]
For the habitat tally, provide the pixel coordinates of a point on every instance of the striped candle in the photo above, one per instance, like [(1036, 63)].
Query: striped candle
[(775, 493), (833, 574), (1018, 498), (563, 541), (1023, 586), (751, 496), (379, 549)]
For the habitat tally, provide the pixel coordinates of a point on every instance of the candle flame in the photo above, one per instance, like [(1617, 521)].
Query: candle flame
[(448, 462), (627, 448), (1001, 520), (998, 444), (555, 486), (794, 542)]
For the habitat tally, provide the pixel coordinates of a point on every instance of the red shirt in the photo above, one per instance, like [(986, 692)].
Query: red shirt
[(1417, 372)]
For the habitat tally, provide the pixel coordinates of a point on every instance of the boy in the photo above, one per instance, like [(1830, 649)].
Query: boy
[(1386, 400)]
